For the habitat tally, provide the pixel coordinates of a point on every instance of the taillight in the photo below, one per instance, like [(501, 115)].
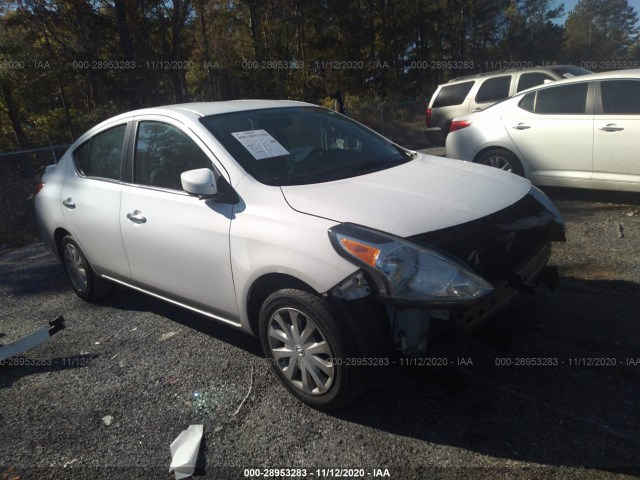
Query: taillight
[(459, 125), (39, 186), (428, 118)]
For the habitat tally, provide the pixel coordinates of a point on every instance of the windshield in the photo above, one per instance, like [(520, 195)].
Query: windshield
[(301, 145), (568, 71)]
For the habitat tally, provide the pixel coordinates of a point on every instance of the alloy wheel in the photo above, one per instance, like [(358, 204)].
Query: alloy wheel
[(499, 162)]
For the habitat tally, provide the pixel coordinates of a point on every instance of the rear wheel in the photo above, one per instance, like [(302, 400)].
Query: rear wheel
[(87, 285), (502, 159), (309, 350)]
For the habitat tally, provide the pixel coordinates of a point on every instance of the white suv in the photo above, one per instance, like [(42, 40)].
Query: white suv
[(338, 248), (474, 93)]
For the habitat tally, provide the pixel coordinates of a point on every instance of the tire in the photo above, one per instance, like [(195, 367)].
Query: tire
[(87, 285), (502, 159), (314, 369)]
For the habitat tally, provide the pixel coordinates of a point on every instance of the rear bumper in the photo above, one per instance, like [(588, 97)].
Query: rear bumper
[(436, 136)]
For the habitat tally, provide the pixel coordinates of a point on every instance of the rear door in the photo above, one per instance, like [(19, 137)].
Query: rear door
[(616, 132), (177, 245), (553, 130), (91, 200)]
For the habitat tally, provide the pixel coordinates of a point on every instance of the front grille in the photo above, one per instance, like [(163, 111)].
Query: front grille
[(495, 245)]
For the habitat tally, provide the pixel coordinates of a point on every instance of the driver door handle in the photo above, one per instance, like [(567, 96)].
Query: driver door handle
[(521, 126), (136, 217), (69, 203), (611, 127)]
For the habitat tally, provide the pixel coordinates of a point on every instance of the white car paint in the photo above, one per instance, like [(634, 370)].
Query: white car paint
[(207, 256), (405, 199)]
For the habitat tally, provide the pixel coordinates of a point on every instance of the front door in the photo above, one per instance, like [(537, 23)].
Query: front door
[(177, 245)]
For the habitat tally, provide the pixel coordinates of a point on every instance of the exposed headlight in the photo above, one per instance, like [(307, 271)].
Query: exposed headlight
[(405, 271)]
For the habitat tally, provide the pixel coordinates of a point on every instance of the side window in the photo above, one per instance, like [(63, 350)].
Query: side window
[(528, 102), (101, 155), (163, 152), (494, 89), (620, 97), (528, 80), (452, 94), (563, 99)]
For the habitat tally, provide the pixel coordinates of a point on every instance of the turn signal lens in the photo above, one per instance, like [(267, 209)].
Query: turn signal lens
[(39, 186), (362, 251)]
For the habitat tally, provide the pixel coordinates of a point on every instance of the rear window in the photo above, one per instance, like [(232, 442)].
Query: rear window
[(452, 94), (528, 80), (494, 89), (560, 100)]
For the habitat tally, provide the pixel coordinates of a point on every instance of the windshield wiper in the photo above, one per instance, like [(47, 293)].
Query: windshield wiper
[(338, 173)]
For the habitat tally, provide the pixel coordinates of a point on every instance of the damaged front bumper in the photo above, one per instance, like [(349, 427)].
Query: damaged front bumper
[(510, 249)]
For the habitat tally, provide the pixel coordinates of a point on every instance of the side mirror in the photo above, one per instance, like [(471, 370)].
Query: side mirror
[(200, 182)]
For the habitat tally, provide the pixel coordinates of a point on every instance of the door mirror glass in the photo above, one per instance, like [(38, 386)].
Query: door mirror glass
[(201, 182)]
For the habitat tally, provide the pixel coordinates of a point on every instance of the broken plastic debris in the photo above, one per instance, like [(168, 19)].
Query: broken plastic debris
[(184, 451), (107, 419), (167, 336), (31, 341)]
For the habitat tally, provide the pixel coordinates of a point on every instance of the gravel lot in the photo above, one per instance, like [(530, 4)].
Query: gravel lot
[(155, 369)]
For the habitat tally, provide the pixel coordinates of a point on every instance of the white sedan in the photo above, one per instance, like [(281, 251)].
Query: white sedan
[(337, 248), (582, 132)]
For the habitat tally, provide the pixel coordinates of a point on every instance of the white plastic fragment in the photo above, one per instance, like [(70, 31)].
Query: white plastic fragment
[(184, 451), (167, 336), (107, 419), (31, 341)]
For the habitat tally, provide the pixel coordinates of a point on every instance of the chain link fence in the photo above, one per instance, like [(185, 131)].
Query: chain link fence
[(19, 173), (403, 122)]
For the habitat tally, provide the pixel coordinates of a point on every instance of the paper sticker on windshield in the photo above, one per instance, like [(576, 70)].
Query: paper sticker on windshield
[(260, 144)]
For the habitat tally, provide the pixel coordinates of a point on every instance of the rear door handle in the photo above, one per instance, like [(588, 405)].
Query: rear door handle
[(69, 203), (521, 126), (137, 217), (611, 127)]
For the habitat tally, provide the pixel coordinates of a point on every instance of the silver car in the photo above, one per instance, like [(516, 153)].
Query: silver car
[(581, 132), (340, 250)]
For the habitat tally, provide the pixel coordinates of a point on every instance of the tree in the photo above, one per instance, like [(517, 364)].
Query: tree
[(601, 30), (530, 32)]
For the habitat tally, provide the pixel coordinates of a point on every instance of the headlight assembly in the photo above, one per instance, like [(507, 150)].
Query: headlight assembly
[(407, 272)]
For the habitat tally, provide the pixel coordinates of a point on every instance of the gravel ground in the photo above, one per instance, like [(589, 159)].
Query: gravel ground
[(155, 369)]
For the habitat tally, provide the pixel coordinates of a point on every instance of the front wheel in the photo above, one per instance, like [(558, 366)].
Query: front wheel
[(87, 285), (502, 159), (309, 350)]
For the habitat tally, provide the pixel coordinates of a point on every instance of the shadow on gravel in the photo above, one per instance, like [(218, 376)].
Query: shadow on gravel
[(31, 270), (131, 300), (588, 195), (13, 369), (581, 412)]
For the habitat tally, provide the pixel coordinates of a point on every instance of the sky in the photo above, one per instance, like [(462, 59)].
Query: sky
[(570, 4)]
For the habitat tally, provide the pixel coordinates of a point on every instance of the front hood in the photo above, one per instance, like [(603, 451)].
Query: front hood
[(425, 194)]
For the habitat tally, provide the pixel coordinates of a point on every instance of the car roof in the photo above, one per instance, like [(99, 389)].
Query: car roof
[(203, 109), (621, 74), (546, 68), (195, 110)]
